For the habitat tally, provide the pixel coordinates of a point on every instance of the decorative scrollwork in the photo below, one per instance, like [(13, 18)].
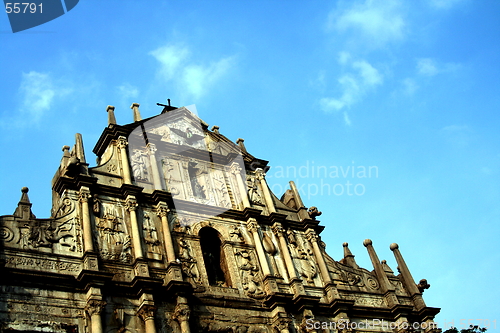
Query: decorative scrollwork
[(6, 234)]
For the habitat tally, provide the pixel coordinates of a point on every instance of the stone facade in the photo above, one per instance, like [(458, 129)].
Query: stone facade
[(176, 230)]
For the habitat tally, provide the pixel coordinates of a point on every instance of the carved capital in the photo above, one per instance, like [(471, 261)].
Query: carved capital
[(147, 312), (235, 168), (182, 312), (121, 143), (281, 324), (162, 210), (95, 307), (151, 148), (260, 174), (278, 229), (84, 195), (252, 225), (131, 204), (311, 236)]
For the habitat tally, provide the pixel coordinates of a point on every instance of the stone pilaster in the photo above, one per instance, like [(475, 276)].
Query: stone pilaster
[(253, 227), (151, 150), (131, 206), (94, 307), (182, 313), (261, 176), (279, 232), (147, 312), (313, 238), (121, 144), (162, 211), (84, 197), (236, 171)]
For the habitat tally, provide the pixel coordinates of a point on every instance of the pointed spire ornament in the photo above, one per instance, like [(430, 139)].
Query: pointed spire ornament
[(348, 257)]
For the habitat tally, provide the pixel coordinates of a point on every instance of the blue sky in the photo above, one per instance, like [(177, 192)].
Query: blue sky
[(408, 88)]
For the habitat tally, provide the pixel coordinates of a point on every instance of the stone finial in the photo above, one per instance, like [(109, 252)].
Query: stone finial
[(111, 115), (386, 268), (23, 210), (240, 143), (215, 129), (348, 257), (379, 270), (137, 113), (405, 272), (80, 152), (24, 195), (65, 157)]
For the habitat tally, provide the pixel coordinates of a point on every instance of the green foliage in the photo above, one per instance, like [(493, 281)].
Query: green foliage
[(471, 329)]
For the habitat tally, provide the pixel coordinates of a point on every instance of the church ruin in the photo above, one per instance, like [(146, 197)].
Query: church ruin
[(176, 230)]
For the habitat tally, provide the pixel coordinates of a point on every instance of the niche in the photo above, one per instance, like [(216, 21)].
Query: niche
[(215, 261)]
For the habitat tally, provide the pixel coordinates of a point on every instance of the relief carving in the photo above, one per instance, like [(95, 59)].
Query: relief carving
[(188, 263), (253, 192), (150, 235), (139, 166), (45, 233), (236, 234), (114, 242), (221, 190), (250, 276), (307, 267)]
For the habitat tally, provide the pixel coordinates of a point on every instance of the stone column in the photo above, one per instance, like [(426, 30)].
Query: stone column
[(122, 151), (147, 313), (278, 231), (94, 307), (162, 211), (267, 194), (236, 170), (253, 227), (87, 227), (313, 238), (131, 206), (182, 313), (151, 149), (280, 320)]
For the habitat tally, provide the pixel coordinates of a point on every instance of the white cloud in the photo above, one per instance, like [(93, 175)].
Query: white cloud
[(190, 78), (430, 67), (361, 78), (369, 74), (427, 67), (171, 57), (127, 91), (444, 4), (378, 21), (37, 93), (409, 86), (198, 79)]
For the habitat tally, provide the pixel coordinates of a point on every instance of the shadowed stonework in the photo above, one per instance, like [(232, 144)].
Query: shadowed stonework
[(176, 230)]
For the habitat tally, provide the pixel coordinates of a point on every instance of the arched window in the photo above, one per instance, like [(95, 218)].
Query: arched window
[(215, 263)]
